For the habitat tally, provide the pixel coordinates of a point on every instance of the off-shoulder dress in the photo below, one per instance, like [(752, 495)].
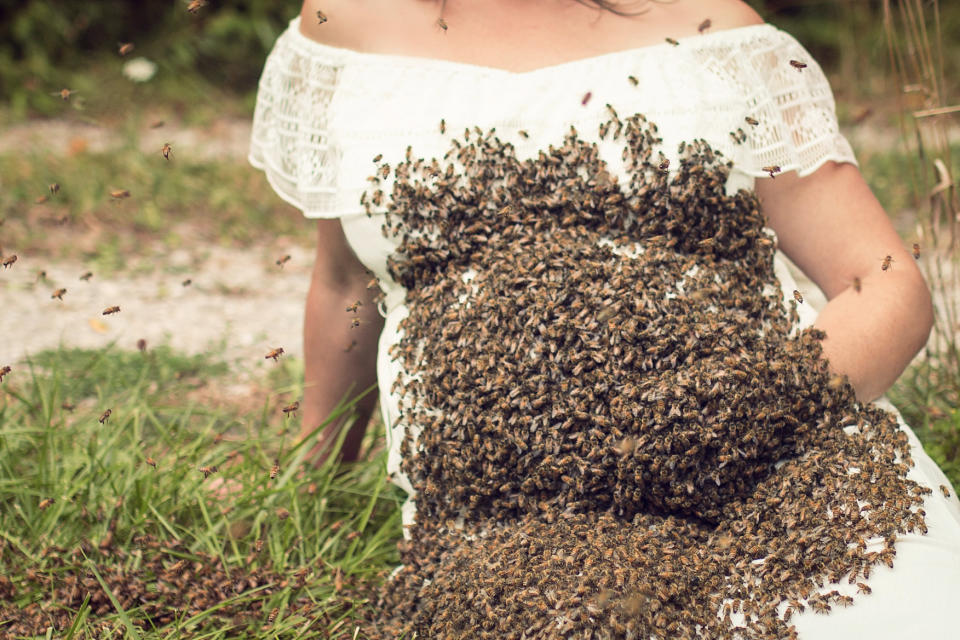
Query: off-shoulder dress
[(323, 113)]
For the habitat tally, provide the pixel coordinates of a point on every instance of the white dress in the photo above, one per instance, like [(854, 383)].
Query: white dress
[(323, 113)]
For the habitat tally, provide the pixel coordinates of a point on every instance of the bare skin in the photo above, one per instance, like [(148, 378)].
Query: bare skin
[(828, 223)]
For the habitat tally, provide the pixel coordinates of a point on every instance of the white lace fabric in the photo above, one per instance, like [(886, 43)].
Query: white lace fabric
[(323, 112)]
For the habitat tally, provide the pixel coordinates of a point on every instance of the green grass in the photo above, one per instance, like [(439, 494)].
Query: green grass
[(101, 485)]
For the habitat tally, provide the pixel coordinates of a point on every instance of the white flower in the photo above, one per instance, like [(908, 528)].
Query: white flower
[(139, 69)]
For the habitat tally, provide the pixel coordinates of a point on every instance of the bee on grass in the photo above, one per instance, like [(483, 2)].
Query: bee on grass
[(125, 48), (165, 150), (86, 276), (321, 17), (150, 461), (442, 24), (111, 310), (46, 502), (283, 260), (291, 408), (282, 513), (208, 471), (703, 26), (443, 126), (9, 260), (352, 535), (58, 294), (799, 66), (274, 354), (275, 470), (105, 415), (5, 370), (119, 194)]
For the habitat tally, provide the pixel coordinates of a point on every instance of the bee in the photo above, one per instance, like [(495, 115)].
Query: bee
[(336, 526), (772, 170), (207, 471), (674, 42), (9, 260), (943, 487), (354, 306), (275, 470), (64, 94), (258, 545), (58, 294), (105, 415), (165, 150), (752, 121), (291, 408), (524, 134), (125, 48), (274, 354), (378, 157), (66, 406), (352, 535), (864, 588), (86, 276), (586, 98), (142, 345), (311, 488), (4, 371), (442, 24), (195, 5), (797, 296), (156, 124), (665, 165), (703, 26), (273, 615), (150, 461), (916, 251), (857, 285), (338, 580), (799, 66), (46, 502), (887, 260), (186, 283), (111, 310), (353, 343), (355, 323), (633, 80), (283, 260), (282, 513), (41, 275), (54, 188), (119, 194), (443, 126), (321, 17)]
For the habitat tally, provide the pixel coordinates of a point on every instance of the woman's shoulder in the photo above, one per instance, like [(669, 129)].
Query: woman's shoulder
[(730, 14)]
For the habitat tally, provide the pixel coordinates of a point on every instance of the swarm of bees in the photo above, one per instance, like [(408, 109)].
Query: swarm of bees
[(583, 417)]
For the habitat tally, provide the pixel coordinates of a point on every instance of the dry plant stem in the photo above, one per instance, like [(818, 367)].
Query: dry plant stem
[(330, 370), (873, 335)]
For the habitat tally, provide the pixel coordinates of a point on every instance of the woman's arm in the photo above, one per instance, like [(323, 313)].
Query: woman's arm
[(834, 229)]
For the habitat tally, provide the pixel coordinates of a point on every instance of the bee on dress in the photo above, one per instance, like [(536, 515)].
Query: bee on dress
[(916, 251), (275, 470), (46, 502), (58, 294), (752, 121), (86, 276), (208, 471), (797, 296), (194, 6), (105, 415), (9, 260), (799, 66), (703, 26), (772, 170), (354, 306), (443, 126), (523, 134), (864, 588), (887, 261), (633, 80), (283, 260), (165, 150), (321, 17), (291, 408), (586, 98), (274, 354), (943, 488), (5, 370), (377, 158), (119, 194), (111, 310), (125, 48)]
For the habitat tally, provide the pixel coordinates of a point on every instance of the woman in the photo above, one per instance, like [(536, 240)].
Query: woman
[(352, 82)]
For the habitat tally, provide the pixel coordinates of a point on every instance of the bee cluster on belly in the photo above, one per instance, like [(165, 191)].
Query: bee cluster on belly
[(613, 426)]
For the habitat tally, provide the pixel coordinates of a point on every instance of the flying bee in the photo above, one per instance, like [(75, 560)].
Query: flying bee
[(673, 42), (586, 98), (111, 310), (105, 415), (354, 306), (321, 17), (119, 194), (291, 408), (207, 471), (142, 344), (86, 276), (524, 134), (799, 66), (275, 470), (703, 26), (54, 188), (186, 283), (156, 124), (916, 251), (258, 545), (8, 261), (195, 5), (150, 461), (283, 260), (46, 502), (58, 294), (165, 150), (797, 296), (442, 24), (125, 48), (66, 406), (772, 170), (274, 354), (633, 80), (887, 260), (41, 275), (64, 94), (4, 371), (752, 121), (943, 487)]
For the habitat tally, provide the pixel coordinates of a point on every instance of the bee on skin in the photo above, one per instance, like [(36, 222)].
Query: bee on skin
[(58, 294)]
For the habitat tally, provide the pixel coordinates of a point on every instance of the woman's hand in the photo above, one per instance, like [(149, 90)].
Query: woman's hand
[(834, 229)]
